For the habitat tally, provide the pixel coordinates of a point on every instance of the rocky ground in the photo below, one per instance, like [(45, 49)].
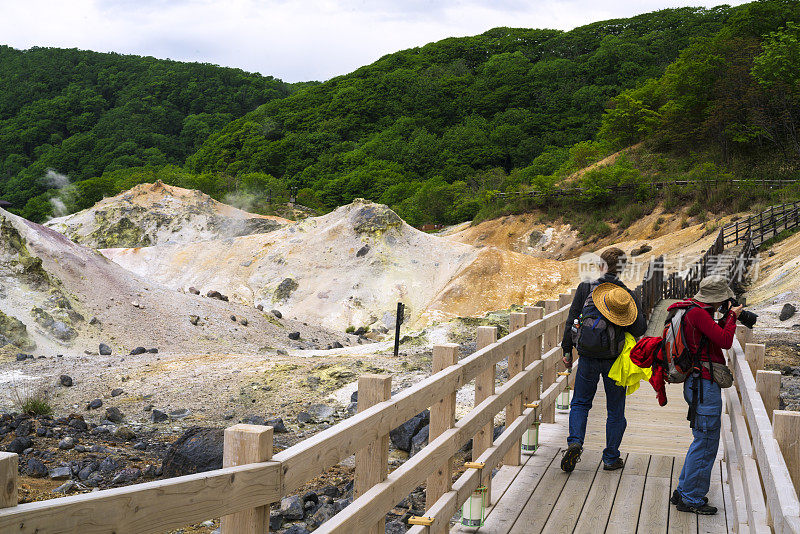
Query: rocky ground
[(149, 214)]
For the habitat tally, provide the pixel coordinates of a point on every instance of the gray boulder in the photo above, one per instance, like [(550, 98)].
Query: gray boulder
[(402, 435), (18, 445), (66, 487), (35, 468), (114, 414), (60, 473), (322, 514), (277, 425), (197, 450), (787, 312), (321, 413), (126, 476), (105, 350), (157, 416), (292, 508), (124, 433), (419, 440)]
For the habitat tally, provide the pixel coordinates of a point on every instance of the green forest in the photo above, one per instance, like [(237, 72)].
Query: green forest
[(82, 114), (435, 132)]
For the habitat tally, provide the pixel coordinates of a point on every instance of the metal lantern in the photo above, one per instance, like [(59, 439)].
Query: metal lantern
[(563, 399), (530, 439), (473, 512)]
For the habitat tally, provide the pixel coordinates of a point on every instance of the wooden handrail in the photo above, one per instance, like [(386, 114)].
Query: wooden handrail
[(165, 504), (382, 497), (780, 496), (155, 507), (469, 481), (311, 457)]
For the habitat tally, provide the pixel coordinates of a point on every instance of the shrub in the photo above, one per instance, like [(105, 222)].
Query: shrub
[(31, 399)]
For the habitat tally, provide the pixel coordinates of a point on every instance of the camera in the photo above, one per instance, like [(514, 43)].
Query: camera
[(747, 318)]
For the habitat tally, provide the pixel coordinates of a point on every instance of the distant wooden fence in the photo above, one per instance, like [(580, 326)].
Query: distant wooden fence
[(252, 478), (763, 226), (762, 453)]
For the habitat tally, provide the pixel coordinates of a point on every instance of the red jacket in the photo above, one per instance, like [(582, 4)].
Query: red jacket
[(642, 355), (699, 322), (696, 323)]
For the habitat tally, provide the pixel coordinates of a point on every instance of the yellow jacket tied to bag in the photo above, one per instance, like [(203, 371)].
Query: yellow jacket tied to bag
[(626, 373)]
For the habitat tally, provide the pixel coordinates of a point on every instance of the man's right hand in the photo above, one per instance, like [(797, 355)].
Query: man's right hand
[(567, 359), (737, 310)]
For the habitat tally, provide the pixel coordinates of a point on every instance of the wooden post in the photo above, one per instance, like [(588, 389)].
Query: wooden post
[(515, 365), (768, 384), (484, 388), (549, 369), (372, 461), (533, 352), (246, 444), (743, 334), (8, 479), (754, 354), (443, 417), (786, 429)]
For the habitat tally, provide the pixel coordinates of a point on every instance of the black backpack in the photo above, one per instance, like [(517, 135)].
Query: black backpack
[(596, 336)]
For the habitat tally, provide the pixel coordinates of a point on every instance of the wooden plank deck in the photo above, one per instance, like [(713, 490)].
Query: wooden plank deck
[(538, 497), (543, 499)]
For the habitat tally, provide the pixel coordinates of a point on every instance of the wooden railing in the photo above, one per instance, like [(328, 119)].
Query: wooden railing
[(241, 494), (763, 225), (761, 445)]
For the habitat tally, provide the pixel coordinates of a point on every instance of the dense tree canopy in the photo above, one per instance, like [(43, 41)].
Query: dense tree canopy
[(435, 132), (455, 116), (82, 113)]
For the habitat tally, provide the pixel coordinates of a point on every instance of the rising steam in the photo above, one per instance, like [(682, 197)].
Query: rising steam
[(56, 180)]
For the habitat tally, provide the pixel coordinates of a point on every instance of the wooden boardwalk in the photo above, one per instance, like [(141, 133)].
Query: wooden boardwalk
[(538, 497)]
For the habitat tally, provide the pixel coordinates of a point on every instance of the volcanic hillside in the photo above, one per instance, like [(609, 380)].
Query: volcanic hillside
[(350, 268), (58, 294), (151, 214)]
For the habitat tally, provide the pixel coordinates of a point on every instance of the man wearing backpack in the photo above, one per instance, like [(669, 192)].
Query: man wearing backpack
[(601, 312), (705, 339)]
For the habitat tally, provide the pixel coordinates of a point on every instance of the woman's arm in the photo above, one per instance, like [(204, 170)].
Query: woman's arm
[(574, 312), (720, 336)]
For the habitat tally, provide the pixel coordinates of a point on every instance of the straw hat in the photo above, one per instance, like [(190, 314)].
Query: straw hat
[(615, 303), (714, 289)]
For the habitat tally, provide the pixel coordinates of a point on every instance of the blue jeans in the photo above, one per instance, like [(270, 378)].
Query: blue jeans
[(695, 477), (586, 377)]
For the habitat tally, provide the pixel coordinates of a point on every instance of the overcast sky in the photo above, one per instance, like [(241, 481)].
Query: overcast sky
[(294, 40)]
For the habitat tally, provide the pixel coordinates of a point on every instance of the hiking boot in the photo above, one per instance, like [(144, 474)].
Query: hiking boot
[(703, 509), (676, 498), (571, 457), (613, 466)]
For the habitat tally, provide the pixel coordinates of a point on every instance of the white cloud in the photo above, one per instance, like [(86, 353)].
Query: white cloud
[(292, 40)]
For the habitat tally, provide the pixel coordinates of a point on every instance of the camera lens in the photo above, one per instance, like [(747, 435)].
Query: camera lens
[(748, 318)]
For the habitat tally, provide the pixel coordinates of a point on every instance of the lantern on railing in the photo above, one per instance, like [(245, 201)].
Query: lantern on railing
[(530, 439), (473, 511), (562, 401)]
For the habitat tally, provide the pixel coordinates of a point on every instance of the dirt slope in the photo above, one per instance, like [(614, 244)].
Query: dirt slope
[(51, 288), (520, 233), (151, 214), (350, 268), (776, 281)]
